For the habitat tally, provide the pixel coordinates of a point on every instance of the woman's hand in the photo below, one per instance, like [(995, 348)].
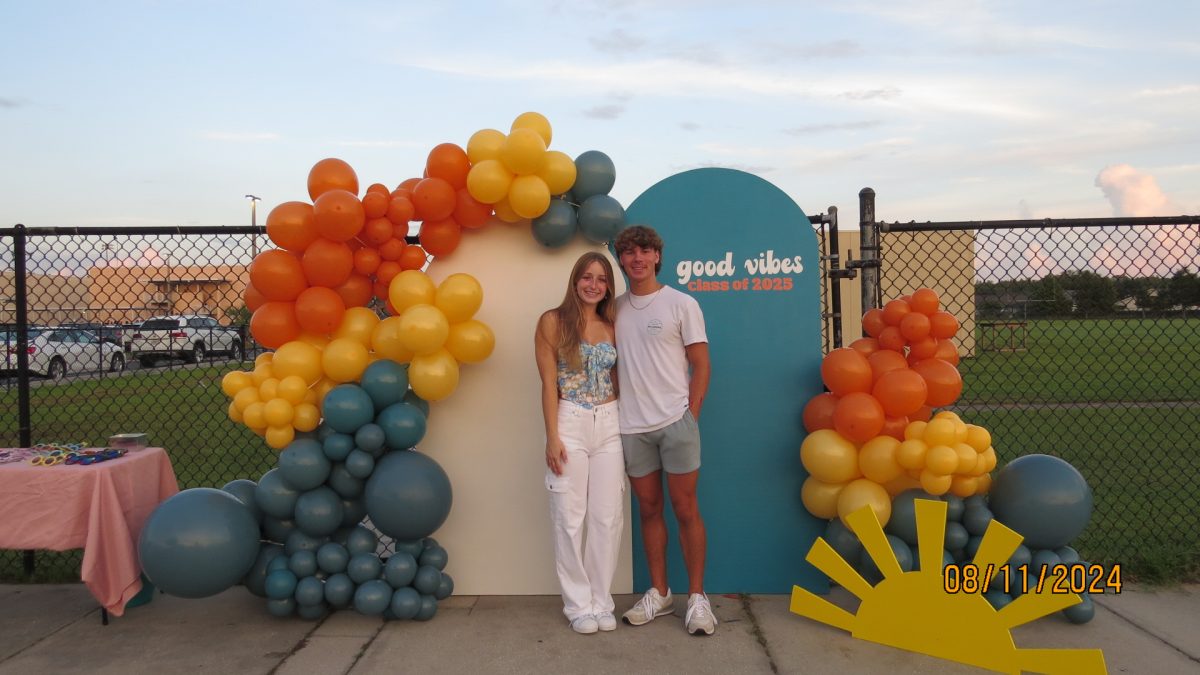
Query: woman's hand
[(556, 455)]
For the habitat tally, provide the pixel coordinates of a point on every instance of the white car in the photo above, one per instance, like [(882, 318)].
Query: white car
[(54, 352)]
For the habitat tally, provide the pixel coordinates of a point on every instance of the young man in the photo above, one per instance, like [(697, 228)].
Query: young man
[(663, 369)]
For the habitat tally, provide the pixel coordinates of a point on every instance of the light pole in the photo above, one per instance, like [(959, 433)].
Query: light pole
[(253, 223)]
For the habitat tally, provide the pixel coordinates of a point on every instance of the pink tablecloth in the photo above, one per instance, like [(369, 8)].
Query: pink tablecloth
[(99, 508)]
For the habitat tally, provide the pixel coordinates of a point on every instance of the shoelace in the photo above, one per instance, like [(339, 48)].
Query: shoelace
[(647, 604), (699, 609)]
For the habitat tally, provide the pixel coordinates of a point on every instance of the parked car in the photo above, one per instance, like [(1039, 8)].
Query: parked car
[(187, 336), (109, 333), (54, 352)]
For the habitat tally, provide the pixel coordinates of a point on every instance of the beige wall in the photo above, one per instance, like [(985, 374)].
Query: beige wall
[(51, 299), (128, 294)]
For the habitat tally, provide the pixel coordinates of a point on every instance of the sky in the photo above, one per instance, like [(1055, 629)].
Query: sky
[(168, 113)]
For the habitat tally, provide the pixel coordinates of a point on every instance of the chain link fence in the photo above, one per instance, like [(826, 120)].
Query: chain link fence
[(1083, 343)]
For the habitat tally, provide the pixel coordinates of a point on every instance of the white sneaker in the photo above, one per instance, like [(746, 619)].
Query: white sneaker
[(585, 625), (651, 606), (606, 621), (699, 618)]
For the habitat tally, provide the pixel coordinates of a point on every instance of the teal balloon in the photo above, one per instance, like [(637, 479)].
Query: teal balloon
[(361, 540), (600, 218), (436, 556), (385, 381), (411, 398), (332, 557), (870, 571), (998, 599), (1043, 498), (299, 540), (595, 174), (372, 597), (198, 543), (427, 579), (955, 506), (403, 426), (360, 464), (843, 540), (353, 511), (337, 446), (956, 536), (309, 591), (319, 512), (977, 520), (975, 502), (275, 495), (347, 407), (370, 439), (1021, 556), (947, 559), (363, 567), (445, 587), (303, 564), (277, 529), (304, 464), (280, 584), (339, 590), (414, 548), (556, 226), (972, 547), (256, 579), (903, 521), (406, 602), (244, 489), (344, 483), (281, 607), (1068, 555), (1044, 559), (279, 562), (428, 608), (312, 612), (408, 496), (400, 570)]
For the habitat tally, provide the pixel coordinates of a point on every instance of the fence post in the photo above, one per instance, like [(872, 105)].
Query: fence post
[(24, 429), (835, 277), (868, 249)]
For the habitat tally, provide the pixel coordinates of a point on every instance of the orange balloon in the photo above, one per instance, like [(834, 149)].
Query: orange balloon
[(885, 361), (866, 346), (818, 412), (320, 310), (901, 392), (890, 338), (440, 237), (400, 209), (338, 215), (449, 163), (377, 187), (400, 231), (922, 349), (408, 184), (376, 231), (924, 300), (434, 199), (327, 263), (947, 352), (375, 204), (942, 325), (277, 275), (894, 311), (331, 174), (253, 298), (858, 417), (914, 326), (894, 427), (873, 323), (392, 249), (413, 258), (356, 291), (845, 370), (366, 260), (943, 380), (923, 414), (387, 271), (290, 225), (274, 324), (470, 213)]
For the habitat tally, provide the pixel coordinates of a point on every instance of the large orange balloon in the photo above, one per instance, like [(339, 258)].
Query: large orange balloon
[(253, 298), (319, 310), (277, 275), (924, 300), (440, 237), (901, 392), (858, 416), (873, 323), (894, 427), (290, 225), (327, 263), (356, 291), (338, 215), (818, 412), (331, 174), (942, 325), (867, 345), (434, 199), (885, 361), (450, 163), (845, 370), (274, 323), (943, 380), (946, 351)]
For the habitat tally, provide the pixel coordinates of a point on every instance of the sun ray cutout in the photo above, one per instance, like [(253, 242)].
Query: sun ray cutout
[(912, 611)]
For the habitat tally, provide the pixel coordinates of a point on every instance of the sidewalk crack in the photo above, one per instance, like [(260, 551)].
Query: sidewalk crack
[(1139, 627), (756, 629)]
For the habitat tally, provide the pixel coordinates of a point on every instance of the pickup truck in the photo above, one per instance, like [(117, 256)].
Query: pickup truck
[(187, 336)]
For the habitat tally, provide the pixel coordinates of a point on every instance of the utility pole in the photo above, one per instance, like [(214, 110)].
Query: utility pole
[(253, 223)]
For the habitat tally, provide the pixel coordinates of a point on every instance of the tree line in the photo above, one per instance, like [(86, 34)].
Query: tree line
[(1084, 293)]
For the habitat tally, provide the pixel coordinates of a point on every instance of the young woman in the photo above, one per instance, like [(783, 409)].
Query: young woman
[(585, 475)]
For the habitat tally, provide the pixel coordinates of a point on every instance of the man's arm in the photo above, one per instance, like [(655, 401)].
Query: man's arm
[(697, 356)]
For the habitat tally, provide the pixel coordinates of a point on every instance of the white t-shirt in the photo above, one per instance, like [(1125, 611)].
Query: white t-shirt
[(652, 331)]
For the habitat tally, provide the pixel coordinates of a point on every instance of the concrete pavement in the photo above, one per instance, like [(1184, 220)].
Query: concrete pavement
[(57, 629)]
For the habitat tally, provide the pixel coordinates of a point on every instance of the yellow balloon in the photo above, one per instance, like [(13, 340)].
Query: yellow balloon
[(470, 341), (423, 329), (306, 417), (984, 484), (411, 287), (967, 458), (529, 197), (265, 357), (268, 389), (914, 430), (278, 412), (236, 381), (900, 484), (433, 376), (322, 388), (318, 341), (344, 360), (310, 397), (559, 172), (911, 454), (820, 498), (262, 372), (386, 341), (523, 152), (253, 415), (357, 324), (829, 457), (940, 431), (935, 484), (459, 297), (877, 459), (484, 145), (535, 121), (279, 437), (488, 181), (860, 493), (990, 456), (941, 460), (292, 389), (245, 397), (300, 359), (505, 212), (963, 486), (978, 438), (235, 413)]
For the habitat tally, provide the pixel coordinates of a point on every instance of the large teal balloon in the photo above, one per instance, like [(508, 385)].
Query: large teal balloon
[(600, 218), (319, 512), (386, 382), (408, 496), (198, 543), (243, 489), (556, 226), (1043, 498), (347, 407), (275, 495), (303, 464), (595, 174)]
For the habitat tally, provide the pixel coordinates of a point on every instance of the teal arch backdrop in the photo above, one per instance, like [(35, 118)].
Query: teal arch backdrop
[(748, 254)]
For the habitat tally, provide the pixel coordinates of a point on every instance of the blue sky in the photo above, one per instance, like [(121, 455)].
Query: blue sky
[(167, 113)]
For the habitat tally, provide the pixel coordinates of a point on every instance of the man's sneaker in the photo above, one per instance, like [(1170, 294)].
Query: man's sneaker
[(606, 621), (699, 618), (585, 625), (651, 605)]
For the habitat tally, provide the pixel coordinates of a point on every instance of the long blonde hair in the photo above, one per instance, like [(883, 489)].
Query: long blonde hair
[(570, 312)]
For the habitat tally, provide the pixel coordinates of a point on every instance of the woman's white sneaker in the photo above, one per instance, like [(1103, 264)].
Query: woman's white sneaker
[(699, 618), (585, 625), (606, 621), (651, 606)]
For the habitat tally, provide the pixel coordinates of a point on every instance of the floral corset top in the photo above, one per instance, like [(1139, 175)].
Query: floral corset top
[(592, 384)]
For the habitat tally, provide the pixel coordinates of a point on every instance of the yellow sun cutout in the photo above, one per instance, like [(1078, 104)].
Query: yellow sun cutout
[(912, 611)]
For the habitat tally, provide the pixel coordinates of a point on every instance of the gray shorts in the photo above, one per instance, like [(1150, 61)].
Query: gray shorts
[(674, 448)]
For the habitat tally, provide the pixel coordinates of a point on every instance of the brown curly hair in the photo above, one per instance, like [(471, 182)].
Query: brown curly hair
[(640, 236)]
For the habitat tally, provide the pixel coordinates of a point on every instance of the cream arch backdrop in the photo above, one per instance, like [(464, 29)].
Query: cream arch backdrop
[(489, 435)]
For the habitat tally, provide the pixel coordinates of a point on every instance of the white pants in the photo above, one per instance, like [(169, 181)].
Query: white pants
[(590, 490)]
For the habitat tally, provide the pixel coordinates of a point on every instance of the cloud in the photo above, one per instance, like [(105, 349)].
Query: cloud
[(1133, 193), (885, 93), (609, 111), (836, 49), (382, 144), (1172, 91), (241, 137), (832, 126), (8, 102), (748, 168)]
